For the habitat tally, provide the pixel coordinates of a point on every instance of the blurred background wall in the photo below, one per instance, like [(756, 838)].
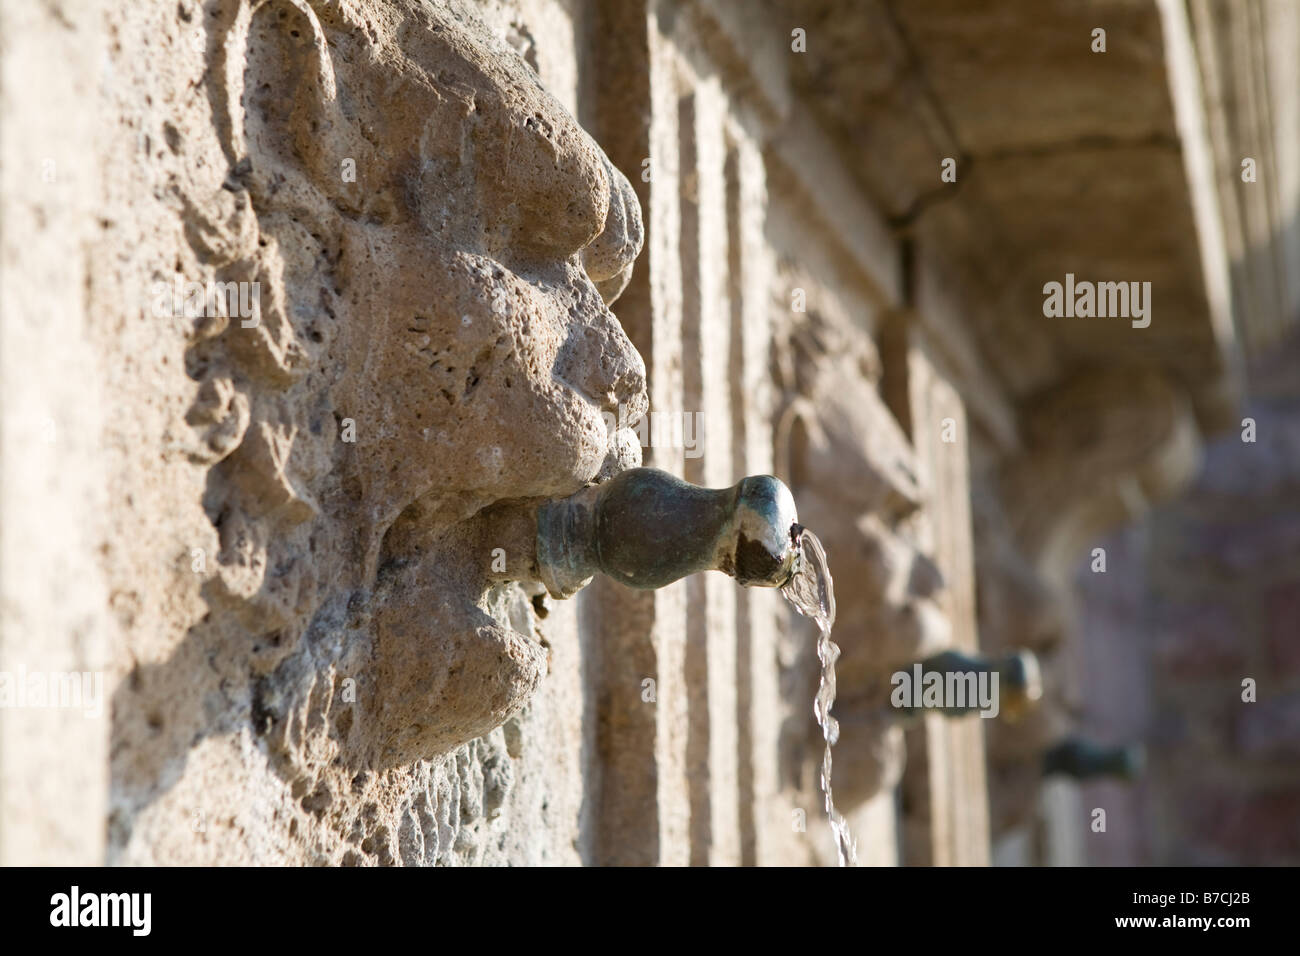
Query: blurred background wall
[(1205, 597)]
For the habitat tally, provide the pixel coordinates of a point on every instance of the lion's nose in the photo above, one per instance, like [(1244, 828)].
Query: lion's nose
[(608, 258)]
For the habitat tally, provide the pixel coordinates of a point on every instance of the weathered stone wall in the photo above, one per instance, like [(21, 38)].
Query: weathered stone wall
[(462, 249), (294, 513), (306, 658)]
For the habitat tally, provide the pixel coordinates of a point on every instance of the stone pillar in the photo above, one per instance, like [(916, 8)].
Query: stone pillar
[(944, 785), (705, 768), (706, 352), (645, 804), (763, 822)]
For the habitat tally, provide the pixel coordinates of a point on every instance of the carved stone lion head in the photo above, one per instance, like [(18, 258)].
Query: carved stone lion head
[(435, 240)]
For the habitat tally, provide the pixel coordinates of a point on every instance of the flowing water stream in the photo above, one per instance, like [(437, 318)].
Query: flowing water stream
[(811, 592)]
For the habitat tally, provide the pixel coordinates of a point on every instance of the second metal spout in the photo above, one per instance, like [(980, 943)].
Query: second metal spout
[(1020, 683), (646, 528)]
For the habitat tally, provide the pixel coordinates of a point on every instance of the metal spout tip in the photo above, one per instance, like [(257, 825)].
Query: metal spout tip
[(1024, 682), (768, 546)]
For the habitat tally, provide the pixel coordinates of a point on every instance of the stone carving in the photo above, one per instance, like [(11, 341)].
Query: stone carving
[(434, 243), (1019, 608), (1108, 444), (853, 473)]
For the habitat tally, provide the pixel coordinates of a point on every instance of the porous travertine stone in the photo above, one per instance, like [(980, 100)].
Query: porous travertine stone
[(445, 297), (325, 647)]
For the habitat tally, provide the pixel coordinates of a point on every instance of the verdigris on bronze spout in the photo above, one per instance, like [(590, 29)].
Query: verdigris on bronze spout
[(646, 528)]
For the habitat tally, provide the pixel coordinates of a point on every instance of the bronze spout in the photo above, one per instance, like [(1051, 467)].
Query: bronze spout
[(646, 528), (1083, 759)]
